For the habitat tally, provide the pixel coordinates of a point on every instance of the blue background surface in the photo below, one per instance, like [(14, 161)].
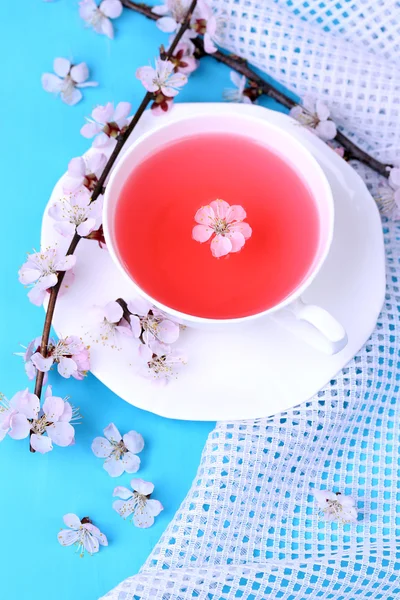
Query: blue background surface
[(40, 135)]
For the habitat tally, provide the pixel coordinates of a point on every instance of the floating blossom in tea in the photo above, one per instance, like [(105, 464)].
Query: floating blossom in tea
[(84, 172), (137, 502), (82, 534), (67, 79), (106, 124), (99, 17), (225, 223), (314, 114), (41, 272), (76, 213), (119, 451), (336, 506)]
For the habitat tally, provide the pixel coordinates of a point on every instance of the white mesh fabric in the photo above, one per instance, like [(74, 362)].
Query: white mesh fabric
[(249, 527)]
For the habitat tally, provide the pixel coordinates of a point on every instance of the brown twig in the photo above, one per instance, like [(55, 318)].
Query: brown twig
[(267, 89), (98, 190)]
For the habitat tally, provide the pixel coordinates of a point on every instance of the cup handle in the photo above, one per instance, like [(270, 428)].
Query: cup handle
[(326, 334)]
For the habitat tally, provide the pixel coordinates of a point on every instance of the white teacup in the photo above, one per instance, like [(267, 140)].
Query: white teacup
[(331, 334)]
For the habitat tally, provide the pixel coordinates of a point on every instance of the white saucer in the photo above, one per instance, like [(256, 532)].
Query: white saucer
[(262, 369)]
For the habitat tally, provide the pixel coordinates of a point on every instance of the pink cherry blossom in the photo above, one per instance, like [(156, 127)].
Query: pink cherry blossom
[(161, 361), (30, 350), (99, 17), (172, 13), (106, 124), (76, 213), (41, 272), (336, 506), (119, 451), (226, 222), (22, 416), (67, 80), (111, 322), (209, 24), (70, 354), (314, 115), (150, 323), (183, 59), (84, 172), (82, 534), (162, 79), (137, 502)]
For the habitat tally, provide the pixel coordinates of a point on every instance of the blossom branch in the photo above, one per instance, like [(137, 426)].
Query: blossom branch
[(262, 87), (98, 190)]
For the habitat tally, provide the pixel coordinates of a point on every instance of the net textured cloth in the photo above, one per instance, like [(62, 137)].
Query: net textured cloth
[(249, 526)]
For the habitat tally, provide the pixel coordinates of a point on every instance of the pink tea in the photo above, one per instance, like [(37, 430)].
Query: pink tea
[(155, 217)]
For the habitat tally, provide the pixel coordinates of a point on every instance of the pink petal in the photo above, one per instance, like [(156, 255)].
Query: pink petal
[(154, 507), (146, 76), (80, 72), (322, 110), (111, 8), (142, 486), (167, 24), (145, 353), (47, 281), (113, 312), (124, 509), (37, 295), (168, 331), (394, 177), (220, 208), (103, 141), (143, 519), (66, 367), (220, 246), (296, 112), (101, 447), (201, 233), (139, 306), (66, 537), (53, 408), (72, 521), (76, 167), (41, 443), (107, 28), (122, 110), (65, 263), (209, 45), (72, 98), (89, 130), (61, 67), (86, 227), (205, 215), (309, 103), (65, 229), (161, 9), (27, 275), (130, 462), (174, 81), (62, 433), (112, 433), (326, 130), (96, 162), (90, 543), (243, 228), (26, 403), (103, 114), (114, 466), (20, 427), (86, 9), (191, 65), (235, 213), (237, 241), (41, 363), (136, 326), (51, 83), (67, 413), (133, 441), (122, 492)]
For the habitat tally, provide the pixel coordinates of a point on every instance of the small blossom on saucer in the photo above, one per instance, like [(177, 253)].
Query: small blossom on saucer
[(137, 502), (84, 172), (99, 17), (67, 80), (208, 23), (112, 321), (106, 124), (238, 93), (162, 81), (70, 354), (76, 213), (119, 451), (151, 324), (389, 194), (160, 361), (314, 115), (41, 271), (30, 350), (82, 534), (336, 506), (226, 222), (172, 13)]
